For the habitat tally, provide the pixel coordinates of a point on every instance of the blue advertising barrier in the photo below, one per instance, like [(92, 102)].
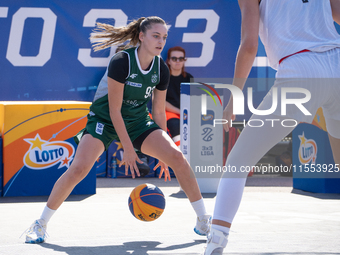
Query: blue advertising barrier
[(40, 183), (314, 169), (38, 145), (45, 51)]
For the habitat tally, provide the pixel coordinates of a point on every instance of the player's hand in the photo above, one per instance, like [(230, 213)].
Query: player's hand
[(129, 159), (164, 169), (228, 115)]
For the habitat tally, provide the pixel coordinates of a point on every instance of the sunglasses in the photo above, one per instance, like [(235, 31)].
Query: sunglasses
[(181, 59)]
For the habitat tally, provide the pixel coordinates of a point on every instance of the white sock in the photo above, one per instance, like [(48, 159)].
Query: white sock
[(46, 215), (199, 207), (225, 230)]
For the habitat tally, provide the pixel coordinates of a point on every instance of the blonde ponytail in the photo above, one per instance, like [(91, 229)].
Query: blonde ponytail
[(105, 35)]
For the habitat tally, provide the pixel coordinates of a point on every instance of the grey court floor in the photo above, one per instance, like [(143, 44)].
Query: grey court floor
[(273, 219)]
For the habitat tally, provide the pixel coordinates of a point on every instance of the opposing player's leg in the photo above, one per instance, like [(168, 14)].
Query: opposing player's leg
[(88, 151), (159, 145), (250, 147)]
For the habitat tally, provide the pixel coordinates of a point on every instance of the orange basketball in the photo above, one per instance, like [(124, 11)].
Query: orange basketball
[(146, 202)]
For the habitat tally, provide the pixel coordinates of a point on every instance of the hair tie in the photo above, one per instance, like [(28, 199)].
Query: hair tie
[(140, 24)]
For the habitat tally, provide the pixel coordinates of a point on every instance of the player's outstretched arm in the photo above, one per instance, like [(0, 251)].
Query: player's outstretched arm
[(249, 39), (247, 50), (158, 108), (336, 10), (115, 96)]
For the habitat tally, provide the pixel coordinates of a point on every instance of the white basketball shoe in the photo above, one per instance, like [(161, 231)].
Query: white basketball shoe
[(36, 233), (217, 241), (203, 224)]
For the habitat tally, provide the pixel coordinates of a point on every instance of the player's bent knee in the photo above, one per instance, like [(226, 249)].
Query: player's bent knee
[(178, 160), (78, 172)]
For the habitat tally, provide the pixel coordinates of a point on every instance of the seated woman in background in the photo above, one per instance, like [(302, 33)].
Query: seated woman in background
[(175, 61)]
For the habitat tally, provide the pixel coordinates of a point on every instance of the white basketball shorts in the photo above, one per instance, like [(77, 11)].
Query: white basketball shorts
[(317, 72)]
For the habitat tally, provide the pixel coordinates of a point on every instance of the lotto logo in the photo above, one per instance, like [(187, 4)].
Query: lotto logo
[(43, 153), (308, 150)]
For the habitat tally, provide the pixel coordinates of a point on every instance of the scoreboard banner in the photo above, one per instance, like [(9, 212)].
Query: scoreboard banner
[(45, 51)]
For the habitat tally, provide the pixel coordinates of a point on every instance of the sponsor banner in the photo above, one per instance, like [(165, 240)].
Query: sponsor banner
[(185, 123), (208, 141), (43, 154), (38, 145), (201, 142), (308, 150), (319, 120), (313, 168), (184, 120)]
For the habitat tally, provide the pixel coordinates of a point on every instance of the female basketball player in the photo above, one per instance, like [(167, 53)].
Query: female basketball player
[(175, 61), (302, 43), (119, 111)]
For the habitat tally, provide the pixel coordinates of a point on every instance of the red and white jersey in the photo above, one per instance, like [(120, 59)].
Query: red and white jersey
[(289, 26)]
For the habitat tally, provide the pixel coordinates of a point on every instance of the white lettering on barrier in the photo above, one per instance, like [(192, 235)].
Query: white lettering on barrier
[(208, 45), (16, 33), (3, 12), (84, 55)]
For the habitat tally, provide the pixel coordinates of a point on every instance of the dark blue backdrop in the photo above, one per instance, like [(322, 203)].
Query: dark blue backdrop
[(44, 44)]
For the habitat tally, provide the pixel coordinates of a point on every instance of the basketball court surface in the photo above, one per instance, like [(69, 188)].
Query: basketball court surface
[(273, 219)]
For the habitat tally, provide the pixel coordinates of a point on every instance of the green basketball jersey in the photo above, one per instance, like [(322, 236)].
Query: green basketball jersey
[(138, 88)]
